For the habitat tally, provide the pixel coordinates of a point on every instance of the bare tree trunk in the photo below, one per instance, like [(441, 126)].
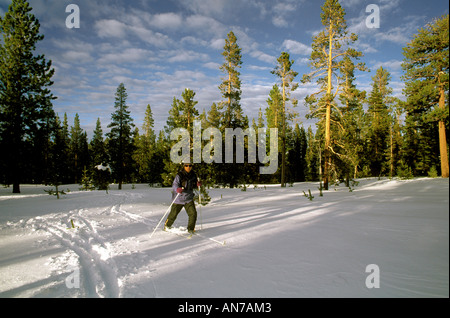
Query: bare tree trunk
[(443, 137)]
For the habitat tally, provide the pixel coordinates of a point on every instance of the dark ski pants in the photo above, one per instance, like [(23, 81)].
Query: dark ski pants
[(190, 210)]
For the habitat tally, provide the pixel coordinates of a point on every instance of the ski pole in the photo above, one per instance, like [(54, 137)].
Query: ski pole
[(170, 206)]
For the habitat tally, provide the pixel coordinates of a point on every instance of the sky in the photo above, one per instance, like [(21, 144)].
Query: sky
[(159, 48)]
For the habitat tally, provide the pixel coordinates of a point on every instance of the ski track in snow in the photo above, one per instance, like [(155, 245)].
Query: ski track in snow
[(94, 255)]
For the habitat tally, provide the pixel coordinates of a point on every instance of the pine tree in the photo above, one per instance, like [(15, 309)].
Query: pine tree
[(211, 170), (330, 47), (120, 138), (78, 150), (145, 148), (427, 80), (58, 157), (86, 181), (379, 121), (284, 71), (189, 113), (162, 151), (181, 115), (351, 136), (275, 108), (395, 136), (25, 78), (297, 155), (213, 117), (313, 155), (231, 86), (97, 146)]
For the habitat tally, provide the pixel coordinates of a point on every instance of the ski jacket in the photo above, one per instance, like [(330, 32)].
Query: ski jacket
[(187, 181)]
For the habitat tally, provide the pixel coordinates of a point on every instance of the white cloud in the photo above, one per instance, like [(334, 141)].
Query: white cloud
[(110, 28), (212, 65), (194, 41), (205, 25), (107, 28), (281, 12), (217, 44), (392, 65), (129, 55), (77, 57), (259, 68), (168, 20), (296, 47), (263, 57), (187, 56), (148, 36), (395, 35), (207, 7)]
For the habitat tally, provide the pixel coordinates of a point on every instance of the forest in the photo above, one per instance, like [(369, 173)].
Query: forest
[(357, 134)]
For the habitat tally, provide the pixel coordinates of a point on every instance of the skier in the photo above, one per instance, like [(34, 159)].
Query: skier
[(184, 184)]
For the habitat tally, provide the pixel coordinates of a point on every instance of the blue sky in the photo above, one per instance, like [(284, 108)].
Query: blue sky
[(159, 48)]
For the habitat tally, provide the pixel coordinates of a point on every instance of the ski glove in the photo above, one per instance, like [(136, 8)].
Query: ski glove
[(179, 190)]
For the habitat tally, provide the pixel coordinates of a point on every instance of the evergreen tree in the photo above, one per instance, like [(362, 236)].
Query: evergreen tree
[(297, 165), (97, 146), (58, 157), (211, 175), (273, 114), (213, 117), (379, 122), (232, 113), (188, 111), (351, 136), (274, 109), (162, 151), (79, 154), (395, 136), (231, 86), (120, 145), (427, 81), (313, 155), (145, 148), (25, 98), (330, 47), (181, 115), (284, 71)]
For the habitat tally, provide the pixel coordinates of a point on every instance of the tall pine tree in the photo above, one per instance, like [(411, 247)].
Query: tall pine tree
[(286, 75), (25, 97), (120, 145), (182, 114), (330, 47), (231, 86), (378, 131), (145, 148), (232, 113), (427, 81)]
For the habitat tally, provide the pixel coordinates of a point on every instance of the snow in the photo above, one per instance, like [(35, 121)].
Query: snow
[(278, 243)]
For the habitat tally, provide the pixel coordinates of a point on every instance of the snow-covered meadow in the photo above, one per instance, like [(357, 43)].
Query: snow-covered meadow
[(278, 242)]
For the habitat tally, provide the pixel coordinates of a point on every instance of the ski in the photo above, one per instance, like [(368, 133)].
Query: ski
[(183, 233), (210, 238)]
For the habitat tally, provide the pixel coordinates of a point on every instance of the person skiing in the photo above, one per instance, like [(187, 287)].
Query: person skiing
[(184, 184)]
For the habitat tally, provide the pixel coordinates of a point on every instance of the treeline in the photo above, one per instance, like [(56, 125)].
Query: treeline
[(358, 133)]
